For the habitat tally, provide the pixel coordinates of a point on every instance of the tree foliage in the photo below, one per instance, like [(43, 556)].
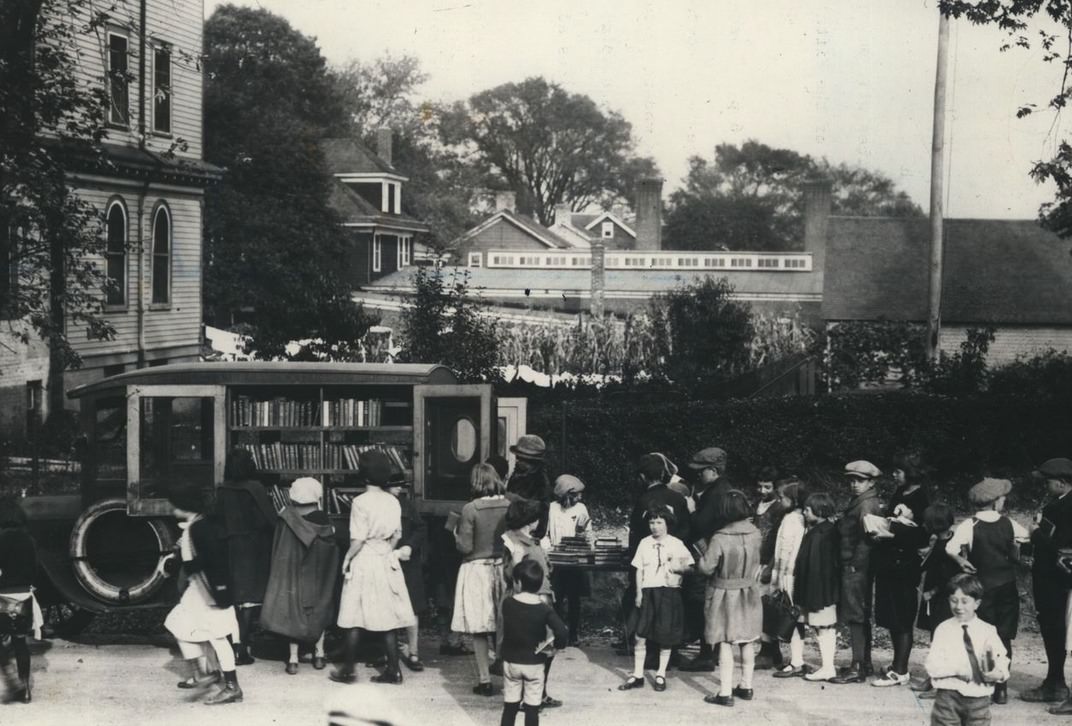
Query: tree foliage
[(550, 146), (1045, 25), (441, 323), (50, 240), (273, 245), (751, 197), (701, 334)]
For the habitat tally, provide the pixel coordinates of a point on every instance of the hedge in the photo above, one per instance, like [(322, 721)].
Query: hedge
[(958, 440)]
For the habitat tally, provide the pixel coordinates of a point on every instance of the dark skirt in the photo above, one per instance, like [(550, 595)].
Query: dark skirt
[(1001, 608), (896, 603), (660, 618)]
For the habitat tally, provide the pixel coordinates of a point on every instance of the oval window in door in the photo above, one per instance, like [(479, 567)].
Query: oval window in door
[(463, 440)]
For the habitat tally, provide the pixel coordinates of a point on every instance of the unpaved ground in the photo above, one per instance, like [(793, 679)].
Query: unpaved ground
[(84, 684)]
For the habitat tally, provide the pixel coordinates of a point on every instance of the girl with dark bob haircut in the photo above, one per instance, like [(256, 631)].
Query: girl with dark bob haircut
[(664, 513), (821, 505), (735, 506)]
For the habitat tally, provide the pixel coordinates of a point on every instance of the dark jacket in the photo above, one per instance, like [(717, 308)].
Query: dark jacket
[(658, 496), (708, 519), (414, 536), (299, 601), (898, 557), (1053, 533), (817, 578), (210, 560), (855, 543), (248, 520), (535, 485)]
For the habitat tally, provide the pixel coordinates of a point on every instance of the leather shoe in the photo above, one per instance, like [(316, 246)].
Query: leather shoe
[(630, 683), (342, 676), (852, 675), (319, 662), (660, 684), (484, 689), (1045, 693), (745, 694), (388, 677), (292, 669), (1001, 694), (697, 665), (1062, 709), (719, 700)]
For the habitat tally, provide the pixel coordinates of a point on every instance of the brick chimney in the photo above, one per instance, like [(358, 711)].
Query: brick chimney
[(384, 137), (817, 201), (563, 214), (506, 201), (649, 222), (599, 280)]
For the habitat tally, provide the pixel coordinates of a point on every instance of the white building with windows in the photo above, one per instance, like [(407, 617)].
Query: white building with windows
[(150, 196)]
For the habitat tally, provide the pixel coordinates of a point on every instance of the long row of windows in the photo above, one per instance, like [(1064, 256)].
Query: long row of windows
[(117, 248), (119, 78), (642, 261)]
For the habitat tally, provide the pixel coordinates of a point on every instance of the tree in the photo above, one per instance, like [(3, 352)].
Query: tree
[(49, 238), (751, 197), (441, 323), (550, 146), (1054, 40), (701, 335), (273, 245)]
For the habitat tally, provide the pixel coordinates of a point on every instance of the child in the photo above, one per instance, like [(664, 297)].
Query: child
[(519, 543), (783, 565), (20, 615), (568, 517), (299, 600), (938, 569), (967, 659), (733, 610), (526, 620), (987, 545), (205, 614), (768, 515), (410, 553), (660, 560), (817, 579)]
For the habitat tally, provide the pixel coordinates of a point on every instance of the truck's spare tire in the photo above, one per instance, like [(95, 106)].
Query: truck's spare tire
[(116, 556)]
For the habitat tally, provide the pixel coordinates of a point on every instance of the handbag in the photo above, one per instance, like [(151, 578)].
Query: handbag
[(16, 616), (780, 615)]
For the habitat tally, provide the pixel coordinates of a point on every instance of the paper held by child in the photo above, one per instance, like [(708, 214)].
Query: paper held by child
[(453, 518), (877, 526), (545, 645)]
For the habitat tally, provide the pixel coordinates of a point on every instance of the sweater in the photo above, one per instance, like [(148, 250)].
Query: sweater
[(525, 627), (480, 528)]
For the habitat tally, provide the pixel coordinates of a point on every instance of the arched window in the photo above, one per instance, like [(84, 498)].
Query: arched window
[(162, 256), (115, 253)]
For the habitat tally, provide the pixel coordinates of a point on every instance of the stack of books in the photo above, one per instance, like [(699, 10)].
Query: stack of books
[(571, 550), (609, 551)]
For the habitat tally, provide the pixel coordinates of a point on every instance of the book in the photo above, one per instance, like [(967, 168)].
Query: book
[(453, 518)]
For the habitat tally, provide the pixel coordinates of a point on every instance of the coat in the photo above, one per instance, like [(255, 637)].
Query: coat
[(733, 610), (299, 600), (248, 521), (855, 542), (898, 558), (210, 560), (534, 485), (786, 547), (817, 578), (414, 536), (1053, 533), (708, 518)]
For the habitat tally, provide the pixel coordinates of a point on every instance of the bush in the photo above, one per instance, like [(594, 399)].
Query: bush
[(958, 439)]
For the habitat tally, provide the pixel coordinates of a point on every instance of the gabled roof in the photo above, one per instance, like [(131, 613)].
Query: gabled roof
[(530, 226), (598, 219), (573, 235), (995, 271), (354, 210), (350, 156)]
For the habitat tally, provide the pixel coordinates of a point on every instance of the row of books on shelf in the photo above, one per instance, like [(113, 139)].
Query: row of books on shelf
[(348, 456), (298, 457), (275, 412), (353, 412), (337, 500), (279, 455)]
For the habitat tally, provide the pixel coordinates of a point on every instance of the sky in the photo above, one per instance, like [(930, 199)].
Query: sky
[(849, 80)]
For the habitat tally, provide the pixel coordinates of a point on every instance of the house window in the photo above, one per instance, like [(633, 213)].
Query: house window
[(377, 253), (768, 262), (8, 270), (34, 405), (475, 259), (161, 256), (390, 198), (407, 250), (607, 230), (119, 107), (398, 199), (162, 90), (116, 254)]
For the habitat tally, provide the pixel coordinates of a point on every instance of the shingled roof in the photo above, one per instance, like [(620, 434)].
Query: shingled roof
[(996, 271), (350, 156)]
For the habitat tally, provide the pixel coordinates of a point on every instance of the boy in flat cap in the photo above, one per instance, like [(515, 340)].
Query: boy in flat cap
[(988, 546), (857, 581), (1050, 582)]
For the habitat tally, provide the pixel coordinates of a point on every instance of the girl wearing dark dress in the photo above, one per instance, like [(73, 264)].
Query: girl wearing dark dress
[(938, 569), (896, 562), (19, 614), (817, 579), (248, 520), (410, 551)]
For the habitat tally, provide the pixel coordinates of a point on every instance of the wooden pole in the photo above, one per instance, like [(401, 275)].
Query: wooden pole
[(934, 318)]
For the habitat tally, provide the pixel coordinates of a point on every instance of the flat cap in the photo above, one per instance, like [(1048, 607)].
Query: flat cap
[(1056, 469), (567, 483), (862, 470), (707, 458), (988, 490)]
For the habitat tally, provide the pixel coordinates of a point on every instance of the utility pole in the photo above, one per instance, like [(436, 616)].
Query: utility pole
[(934, 310)]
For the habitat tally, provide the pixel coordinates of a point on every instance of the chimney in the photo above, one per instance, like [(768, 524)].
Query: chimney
[(383, 145), (599, 280), (817, 200), (506, 201), (563, 214), (649, 222)]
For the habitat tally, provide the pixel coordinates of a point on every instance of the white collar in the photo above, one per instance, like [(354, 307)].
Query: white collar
[(988, 515)]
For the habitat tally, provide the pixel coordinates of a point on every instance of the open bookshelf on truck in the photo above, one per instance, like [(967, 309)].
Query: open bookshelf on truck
[(321, 431)]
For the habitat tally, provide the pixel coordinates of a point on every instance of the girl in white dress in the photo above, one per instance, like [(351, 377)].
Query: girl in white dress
[(374, 595)]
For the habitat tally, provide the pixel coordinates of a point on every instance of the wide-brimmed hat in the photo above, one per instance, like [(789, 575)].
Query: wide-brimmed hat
[(711, 457), (522, 512), (306, 490), (567, 483), (862, 470), (529, 446), (375, 467), (1055, 469), (988, 490)]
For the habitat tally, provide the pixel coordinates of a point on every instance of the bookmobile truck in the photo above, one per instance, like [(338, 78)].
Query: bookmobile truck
[(103, 550)]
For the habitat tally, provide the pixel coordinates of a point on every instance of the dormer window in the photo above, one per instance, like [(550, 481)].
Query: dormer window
[(391, 197), (607, 230)]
